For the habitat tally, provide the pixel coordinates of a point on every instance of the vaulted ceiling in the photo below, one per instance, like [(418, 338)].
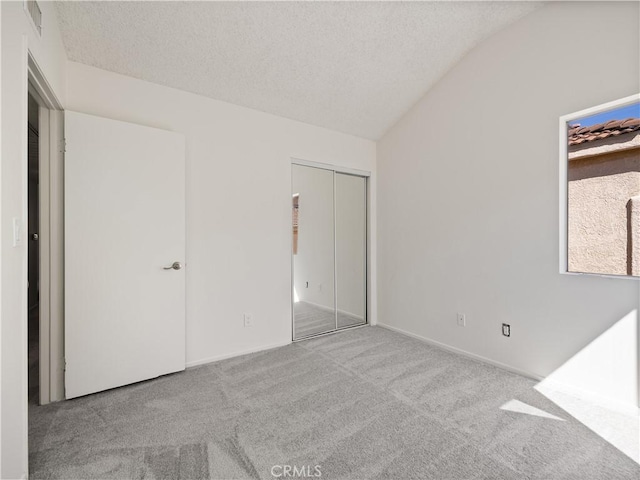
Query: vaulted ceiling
[(355, 67)]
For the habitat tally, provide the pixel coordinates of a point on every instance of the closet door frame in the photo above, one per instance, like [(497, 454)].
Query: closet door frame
[(335, 169)]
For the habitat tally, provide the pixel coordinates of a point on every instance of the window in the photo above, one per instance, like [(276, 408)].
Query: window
[(600, 175)]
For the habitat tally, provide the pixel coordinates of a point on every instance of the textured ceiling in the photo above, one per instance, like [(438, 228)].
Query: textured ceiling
[(353, 67)]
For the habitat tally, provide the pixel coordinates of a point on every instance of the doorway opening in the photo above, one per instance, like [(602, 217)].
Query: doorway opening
[(33, 229), (43, 182)]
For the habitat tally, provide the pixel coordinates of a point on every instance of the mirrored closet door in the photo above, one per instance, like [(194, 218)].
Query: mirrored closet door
[(329, 250)]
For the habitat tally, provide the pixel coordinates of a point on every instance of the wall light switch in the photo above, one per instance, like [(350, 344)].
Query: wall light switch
[(17, 232), (462, 320)]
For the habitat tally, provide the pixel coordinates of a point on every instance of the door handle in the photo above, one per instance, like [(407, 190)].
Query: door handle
[(174, 266)]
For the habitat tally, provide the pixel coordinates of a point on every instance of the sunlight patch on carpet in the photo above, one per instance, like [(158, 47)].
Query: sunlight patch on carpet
[(521, 407)]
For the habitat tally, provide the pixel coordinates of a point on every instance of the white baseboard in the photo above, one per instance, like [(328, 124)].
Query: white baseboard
[(549, 385), (578, 393), (204, 361), (349, 314), (459, 351), (331, 309), (317, 305)]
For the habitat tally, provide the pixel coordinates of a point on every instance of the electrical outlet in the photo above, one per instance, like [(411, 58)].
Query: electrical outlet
[(462, 320), (506, 329), (248, 320)]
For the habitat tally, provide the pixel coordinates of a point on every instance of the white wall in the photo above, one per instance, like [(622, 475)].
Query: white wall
[(17, 36), (468, 198), (1, 230), (238, 202)]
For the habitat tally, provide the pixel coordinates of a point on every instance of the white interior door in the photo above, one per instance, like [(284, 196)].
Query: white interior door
[(124, 225)]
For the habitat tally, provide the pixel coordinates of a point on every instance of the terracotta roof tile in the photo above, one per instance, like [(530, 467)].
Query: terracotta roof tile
[(612, 128)]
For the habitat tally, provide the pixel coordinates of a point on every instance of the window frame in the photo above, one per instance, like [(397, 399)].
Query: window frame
[(564, 185)]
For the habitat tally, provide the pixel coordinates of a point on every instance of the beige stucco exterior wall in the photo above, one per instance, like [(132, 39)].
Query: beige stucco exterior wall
[(600, 189)]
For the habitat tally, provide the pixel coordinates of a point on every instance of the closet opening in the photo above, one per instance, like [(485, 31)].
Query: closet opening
[(329, 249)]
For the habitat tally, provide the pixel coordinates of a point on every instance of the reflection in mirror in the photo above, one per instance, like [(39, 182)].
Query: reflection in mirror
[(603, 204), (351, 249), (313, 259)]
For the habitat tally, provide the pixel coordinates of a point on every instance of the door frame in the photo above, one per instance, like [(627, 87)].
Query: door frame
[(51, 230), (367, 177)]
